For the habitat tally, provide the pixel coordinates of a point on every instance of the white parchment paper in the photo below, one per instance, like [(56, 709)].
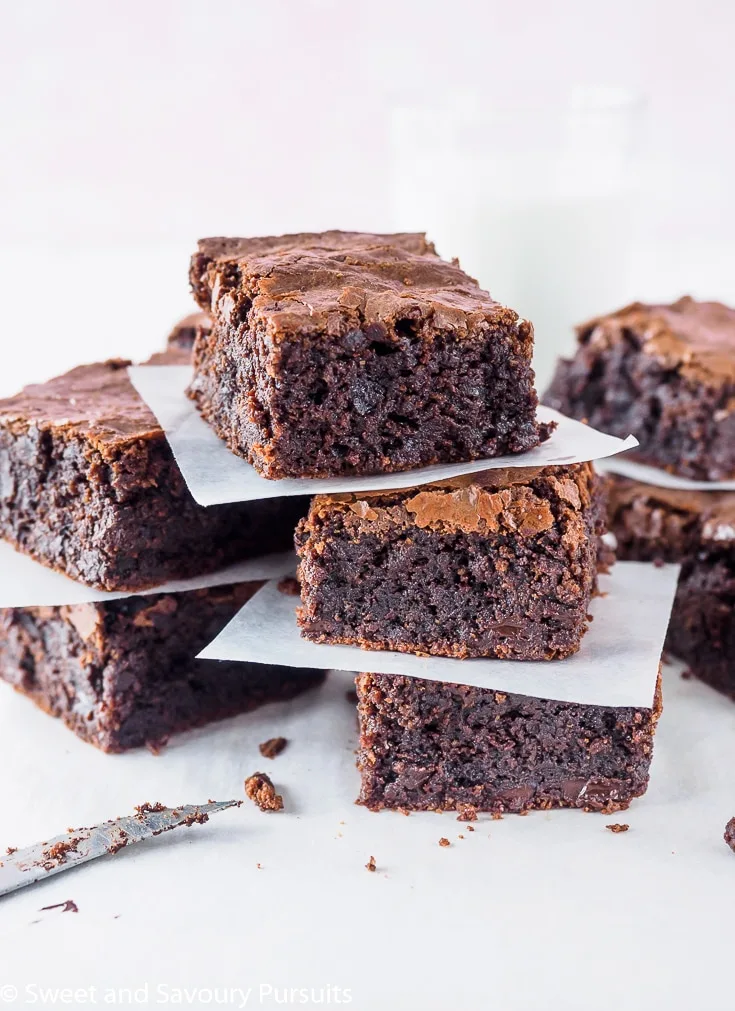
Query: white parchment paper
[(214, 475), (26, 583), (617, 664), (626, 467)]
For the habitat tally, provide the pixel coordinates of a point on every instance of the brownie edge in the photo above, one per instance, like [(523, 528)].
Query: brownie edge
[(431, 746)]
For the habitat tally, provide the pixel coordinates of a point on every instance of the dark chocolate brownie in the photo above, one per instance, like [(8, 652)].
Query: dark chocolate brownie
[(426, 745), (502, 563), (186, 331), (345, 353), (696, 528), (89, 486), (122, 673), (666, 374)]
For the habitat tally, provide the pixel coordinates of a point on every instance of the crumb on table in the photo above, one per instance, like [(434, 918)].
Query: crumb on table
[(444, 842), (467, 813), (370, 865), (617, 827), (272, 747), (261, 791)]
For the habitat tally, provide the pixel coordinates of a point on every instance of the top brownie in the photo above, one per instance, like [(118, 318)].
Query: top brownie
[(88, 486), (666, 374), (346, 353)]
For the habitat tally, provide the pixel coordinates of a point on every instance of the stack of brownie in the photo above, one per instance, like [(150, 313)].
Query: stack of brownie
[(347, 354), (666, 373), (89, 488)]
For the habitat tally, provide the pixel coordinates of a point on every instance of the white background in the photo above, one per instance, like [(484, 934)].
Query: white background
[(127, 130)]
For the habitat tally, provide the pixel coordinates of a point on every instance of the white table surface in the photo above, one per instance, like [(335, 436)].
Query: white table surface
[(547, 911)]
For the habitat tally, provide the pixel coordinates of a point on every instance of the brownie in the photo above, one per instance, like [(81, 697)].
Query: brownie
[(666, 374), (501, 563), (345, 353), (122, 673), (427, 745), (186, 331), (89, 486), (696, 528)]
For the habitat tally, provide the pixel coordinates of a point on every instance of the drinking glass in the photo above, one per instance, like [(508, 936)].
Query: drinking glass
[(535, 198)]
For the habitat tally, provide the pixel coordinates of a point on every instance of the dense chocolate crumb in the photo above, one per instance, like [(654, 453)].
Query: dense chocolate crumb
[(290, 586), (687, 674), (370, 865), (730, 834), (147, 808), (56, 854), (467, 813), (261, 791), (11, 849), (617, 827), (272, 747), (444, 842), (69, 906)]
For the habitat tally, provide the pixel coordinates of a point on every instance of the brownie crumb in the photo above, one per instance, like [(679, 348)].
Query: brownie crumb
[(11, 849), (470, 828), (66, 907), (156, 747), (496, 816), (144, 809), (370, 865), (289, 586), (617, 827), (259, 866), (272, 747), (460, 836), (444, 842), (730, 834), (261, 791), (467, 813), (687, 674)]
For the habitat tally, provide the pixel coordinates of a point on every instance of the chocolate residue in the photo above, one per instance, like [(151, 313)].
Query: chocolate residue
[(66, 907)]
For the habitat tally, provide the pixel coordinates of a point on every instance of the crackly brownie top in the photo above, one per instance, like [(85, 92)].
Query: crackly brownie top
[(716, 509), (696, 338), (518, 499), (95, 402), (333, 282)]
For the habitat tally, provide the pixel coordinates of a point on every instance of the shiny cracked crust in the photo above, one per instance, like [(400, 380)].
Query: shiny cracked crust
[(350, 353), (500, 564)]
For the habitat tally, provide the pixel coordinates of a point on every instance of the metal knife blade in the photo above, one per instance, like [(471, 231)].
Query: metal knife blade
[(36, 863)]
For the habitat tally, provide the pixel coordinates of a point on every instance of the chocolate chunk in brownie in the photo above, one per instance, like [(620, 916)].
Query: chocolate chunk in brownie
[(122, 673), (696, 528), (348, 353), (89, 486), (666, 374), (502, 563), (430, 746), (260, 789)]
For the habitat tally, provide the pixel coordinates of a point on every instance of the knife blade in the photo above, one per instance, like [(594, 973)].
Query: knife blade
[(78, 846)]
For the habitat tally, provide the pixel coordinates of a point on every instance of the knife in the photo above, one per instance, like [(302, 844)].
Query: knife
[(77, 846)]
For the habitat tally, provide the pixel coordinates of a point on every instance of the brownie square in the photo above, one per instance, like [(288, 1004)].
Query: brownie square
[(502, 564), (89, 486), (121, 674), (186, 331), (344, 353), (666, 374), (430, 746), (695, 528)]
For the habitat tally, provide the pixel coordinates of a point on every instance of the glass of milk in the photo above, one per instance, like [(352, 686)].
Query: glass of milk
[(536, 199)]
